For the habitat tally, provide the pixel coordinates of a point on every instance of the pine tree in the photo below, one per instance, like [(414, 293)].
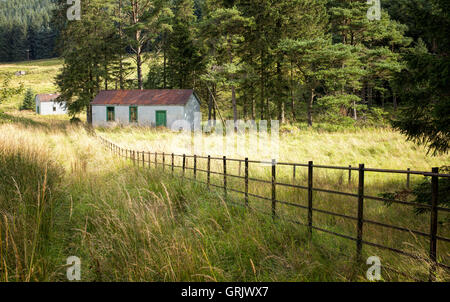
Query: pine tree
[(144, 21), (89, 48), (223, 33), (28, 101), (183, 55)]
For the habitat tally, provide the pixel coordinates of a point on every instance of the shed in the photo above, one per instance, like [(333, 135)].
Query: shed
[(155, 108), (46, 104)]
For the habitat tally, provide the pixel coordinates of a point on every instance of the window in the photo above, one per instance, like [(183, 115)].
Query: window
[(110, 114), (133, 114), (54, 108)]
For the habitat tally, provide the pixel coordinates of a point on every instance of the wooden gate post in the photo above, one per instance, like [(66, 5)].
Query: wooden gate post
[(360, 213)]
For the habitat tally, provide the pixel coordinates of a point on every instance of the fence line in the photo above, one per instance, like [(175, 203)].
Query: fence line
[(138, 157)]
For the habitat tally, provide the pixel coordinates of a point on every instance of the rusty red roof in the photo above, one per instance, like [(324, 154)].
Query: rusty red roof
[(50, 97), (143, 97)]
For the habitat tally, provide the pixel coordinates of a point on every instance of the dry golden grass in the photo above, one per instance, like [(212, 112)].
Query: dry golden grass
[(134, 224)]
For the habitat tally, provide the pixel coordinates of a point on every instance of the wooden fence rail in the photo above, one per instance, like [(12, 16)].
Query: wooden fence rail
[(361, 197)]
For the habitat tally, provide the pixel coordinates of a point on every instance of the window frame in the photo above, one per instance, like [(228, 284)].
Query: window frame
[(113, 111), (129, 114)]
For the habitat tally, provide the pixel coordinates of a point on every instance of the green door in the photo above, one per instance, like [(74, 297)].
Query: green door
[(38, 110), (161, 118)]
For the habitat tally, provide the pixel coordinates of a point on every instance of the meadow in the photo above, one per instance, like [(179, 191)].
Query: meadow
[(62, 194)]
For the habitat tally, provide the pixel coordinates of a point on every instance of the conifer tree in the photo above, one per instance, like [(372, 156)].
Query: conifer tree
[(28, 101)]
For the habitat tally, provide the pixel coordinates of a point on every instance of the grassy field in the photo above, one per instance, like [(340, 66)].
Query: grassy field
[(62, 194)]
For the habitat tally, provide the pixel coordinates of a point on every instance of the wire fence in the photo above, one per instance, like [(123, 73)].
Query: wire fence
[(169, 163)]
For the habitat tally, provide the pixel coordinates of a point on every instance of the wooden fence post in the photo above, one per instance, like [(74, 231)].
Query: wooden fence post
[(156, 160), (134, 158), (274, 188), (408, 176), (310, 196), (349, 174), (143, 159), (164, 161), (173, 162), (360, 213), (246, 181), (184, 163), (240, 166), (434, 221), (225, 175), (195, 167), (209, 172), (294, 172)]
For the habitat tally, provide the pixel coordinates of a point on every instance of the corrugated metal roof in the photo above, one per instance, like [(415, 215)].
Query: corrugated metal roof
[(50, 97), (143, 97)]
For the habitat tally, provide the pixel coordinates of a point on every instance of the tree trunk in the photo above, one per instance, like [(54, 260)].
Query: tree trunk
[(394, 100), (89, 114), (280, 95), (253, 107), (139, 67), (310, 107), (369, 95), (165, 68), (233, 89), (292, 94), (210, 106), (233, 96), (262, 86)]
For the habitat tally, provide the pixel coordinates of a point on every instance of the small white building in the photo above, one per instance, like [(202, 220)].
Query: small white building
[(155, 108), (46, 104)]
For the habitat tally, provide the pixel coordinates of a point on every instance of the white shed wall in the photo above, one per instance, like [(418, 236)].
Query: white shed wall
[(146, 115), (46, 108)]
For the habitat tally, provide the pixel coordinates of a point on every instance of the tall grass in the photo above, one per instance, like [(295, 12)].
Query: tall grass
[(127, 223), (29, 183)]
